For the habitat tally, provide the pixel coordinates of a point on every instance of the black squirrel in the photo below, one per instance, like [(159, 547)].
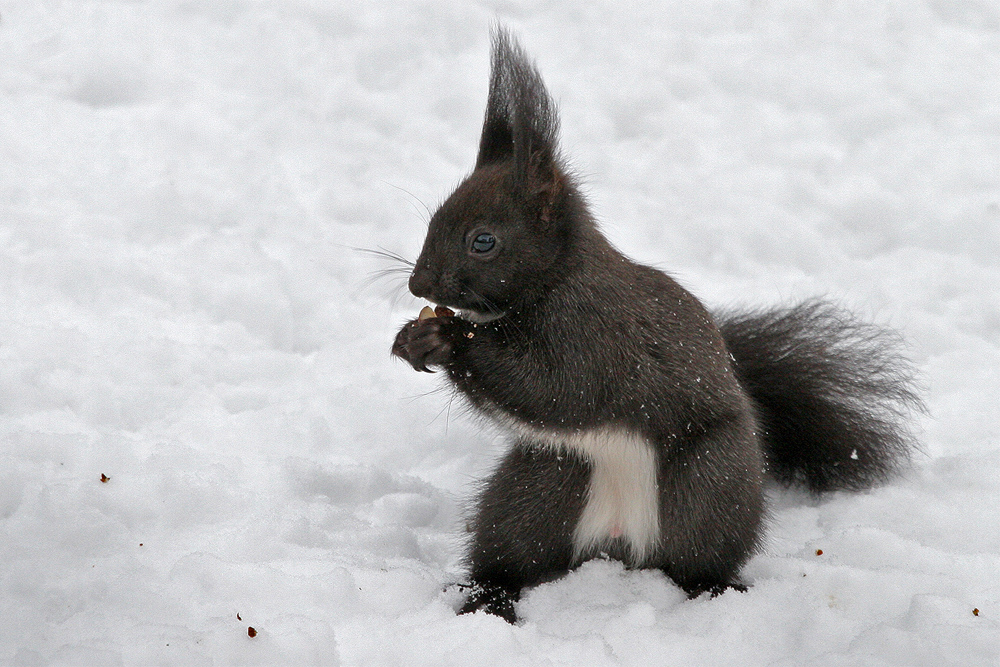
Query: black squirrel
[(643, 427)]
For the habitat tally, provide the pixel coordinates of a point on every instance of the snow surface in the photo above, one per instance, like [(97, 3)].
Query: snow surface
[(182, 185)]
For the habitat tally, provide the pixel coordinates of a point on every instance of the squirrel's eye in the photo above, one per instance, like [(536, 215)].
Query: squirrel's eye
[(483, 243)]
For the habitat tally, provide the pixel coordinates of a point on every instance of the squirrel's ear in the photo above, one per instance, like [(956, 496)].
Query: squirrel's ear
[(544, 182), (520, 117), (497, 141)]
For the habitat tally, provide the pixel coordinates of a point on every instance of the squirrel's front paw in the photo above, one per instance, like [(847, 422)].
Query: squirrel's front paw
[(427, 342)]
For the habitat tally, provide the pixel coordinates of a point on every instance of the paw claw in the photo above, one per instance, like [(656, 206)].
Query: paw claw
[(427, 342)]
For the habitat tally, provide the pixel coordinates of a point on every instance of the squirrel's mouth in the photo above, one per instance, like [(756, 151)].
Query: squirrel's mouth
[(467, 305), (474, 316), (470, 314), (479, 317)]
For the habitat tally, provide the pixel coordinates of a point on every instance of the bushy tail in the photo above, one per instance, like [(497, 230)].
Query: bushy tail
[(832, 394)]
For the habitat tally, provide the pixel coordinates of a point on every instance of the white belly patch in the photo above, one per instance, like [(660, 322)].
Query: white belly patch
[(622, 498)]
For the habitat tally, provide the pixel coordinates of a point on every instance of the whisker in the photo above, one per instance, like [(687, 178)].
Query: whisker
[(447, 418), (399, 274), (400, 292), (413, 198), (382, 253), (503, 322), (446, 410), (417, 397), (396, 284)]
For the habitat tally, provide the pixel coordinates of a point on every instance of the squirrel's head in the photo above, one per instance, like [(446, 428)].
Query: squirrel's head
[(501, 236)]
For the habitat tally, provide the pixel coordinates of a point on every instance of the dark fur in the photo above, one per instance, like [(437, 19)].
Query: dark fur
[(573, 336), (830, 393)]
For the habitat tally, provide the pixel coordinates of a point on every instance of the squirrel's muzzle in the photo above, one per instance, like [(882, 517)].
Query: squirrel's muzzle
[(421, 282)]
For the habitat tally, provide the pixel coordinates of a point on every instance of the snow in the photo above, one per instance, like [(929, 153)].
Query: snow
[(182, 309)]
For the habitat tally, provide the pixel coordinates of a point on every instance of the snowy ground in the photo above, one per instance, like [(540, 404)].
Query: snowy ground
[(181, 310)]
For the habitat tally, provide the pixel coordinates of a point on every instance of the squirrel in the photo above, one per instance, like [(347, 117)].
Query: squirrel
[(642, 426)]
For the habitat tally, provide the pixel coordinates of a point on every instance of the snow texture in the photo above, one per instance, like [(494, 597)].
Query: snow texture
[(183, 186)]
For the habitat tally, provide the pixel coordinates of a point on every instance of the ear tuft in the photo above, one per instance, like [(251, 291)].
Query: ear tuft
[(521, 121)]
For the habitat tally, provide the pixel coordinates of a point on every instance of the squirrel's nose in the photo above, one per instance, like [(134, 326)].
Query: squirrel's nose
[(420, 283)]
